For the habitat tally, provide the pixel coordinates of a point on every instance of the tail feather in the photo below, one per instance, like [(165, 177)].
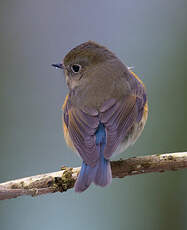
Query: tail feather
[(85, 178), (100, 174), (103, 175)]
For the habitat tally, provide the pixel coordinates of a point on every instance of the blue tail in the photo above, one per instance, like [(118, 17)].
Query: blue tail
[(103, 175), (85, 178), (100, 174)]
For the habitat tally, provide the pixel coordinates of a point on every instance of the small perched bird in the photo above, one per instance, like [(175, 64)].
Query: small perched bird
[(104, 112)]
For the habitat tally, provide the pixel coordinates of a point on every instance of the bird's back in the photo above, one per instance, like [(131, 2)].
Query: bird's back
[(107, 80)]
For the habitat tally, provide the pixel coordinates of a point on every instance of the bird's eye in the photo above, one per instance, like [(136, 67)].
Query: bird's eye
[(75, 68)]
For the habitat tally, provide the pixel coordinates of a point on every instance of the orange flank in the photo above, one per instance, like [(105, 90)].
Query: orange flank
[(137, 78), (65, 101), (145, 113), (66, 132)]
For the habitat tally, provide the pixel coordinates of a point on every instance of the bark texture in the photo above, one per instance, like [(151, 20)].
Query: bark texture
[(63, 180)]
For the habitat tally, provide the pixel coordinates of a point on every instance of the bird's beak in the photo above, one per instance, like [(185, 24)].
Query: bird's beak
[(58, 66)]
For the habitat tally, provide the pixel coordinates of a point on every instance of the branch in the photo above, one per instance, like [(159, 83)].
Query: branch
[(63, 180)]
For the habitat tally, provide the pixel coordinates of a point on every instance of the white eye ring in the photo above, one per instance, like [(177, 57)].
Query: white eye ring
[(75, 68)]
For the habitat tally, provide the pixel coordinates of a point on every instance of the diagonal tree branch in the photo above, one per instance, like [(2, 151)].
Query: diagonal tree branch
[(63, 180)]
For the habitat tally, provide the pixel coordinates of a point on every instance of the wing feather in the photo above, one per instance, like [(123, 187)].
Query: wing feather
[(122, 117), (82, 128)]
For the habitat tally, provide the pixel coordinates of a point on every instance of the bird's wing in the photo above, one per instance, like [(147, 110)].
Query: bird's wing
[(81, 126), (119, 116), (118, 119)]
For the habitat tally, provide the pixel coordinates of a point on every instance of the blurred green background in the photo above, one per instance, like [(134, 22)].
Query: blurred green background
[(149, 35)]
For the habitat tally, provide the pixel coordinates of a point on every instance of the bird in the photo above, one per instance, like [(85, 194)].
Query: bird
[(104, 112)]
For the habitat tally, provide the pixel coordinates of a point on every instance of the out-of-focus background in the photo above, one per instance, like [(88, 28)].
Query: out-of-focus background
[(149, 35)]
